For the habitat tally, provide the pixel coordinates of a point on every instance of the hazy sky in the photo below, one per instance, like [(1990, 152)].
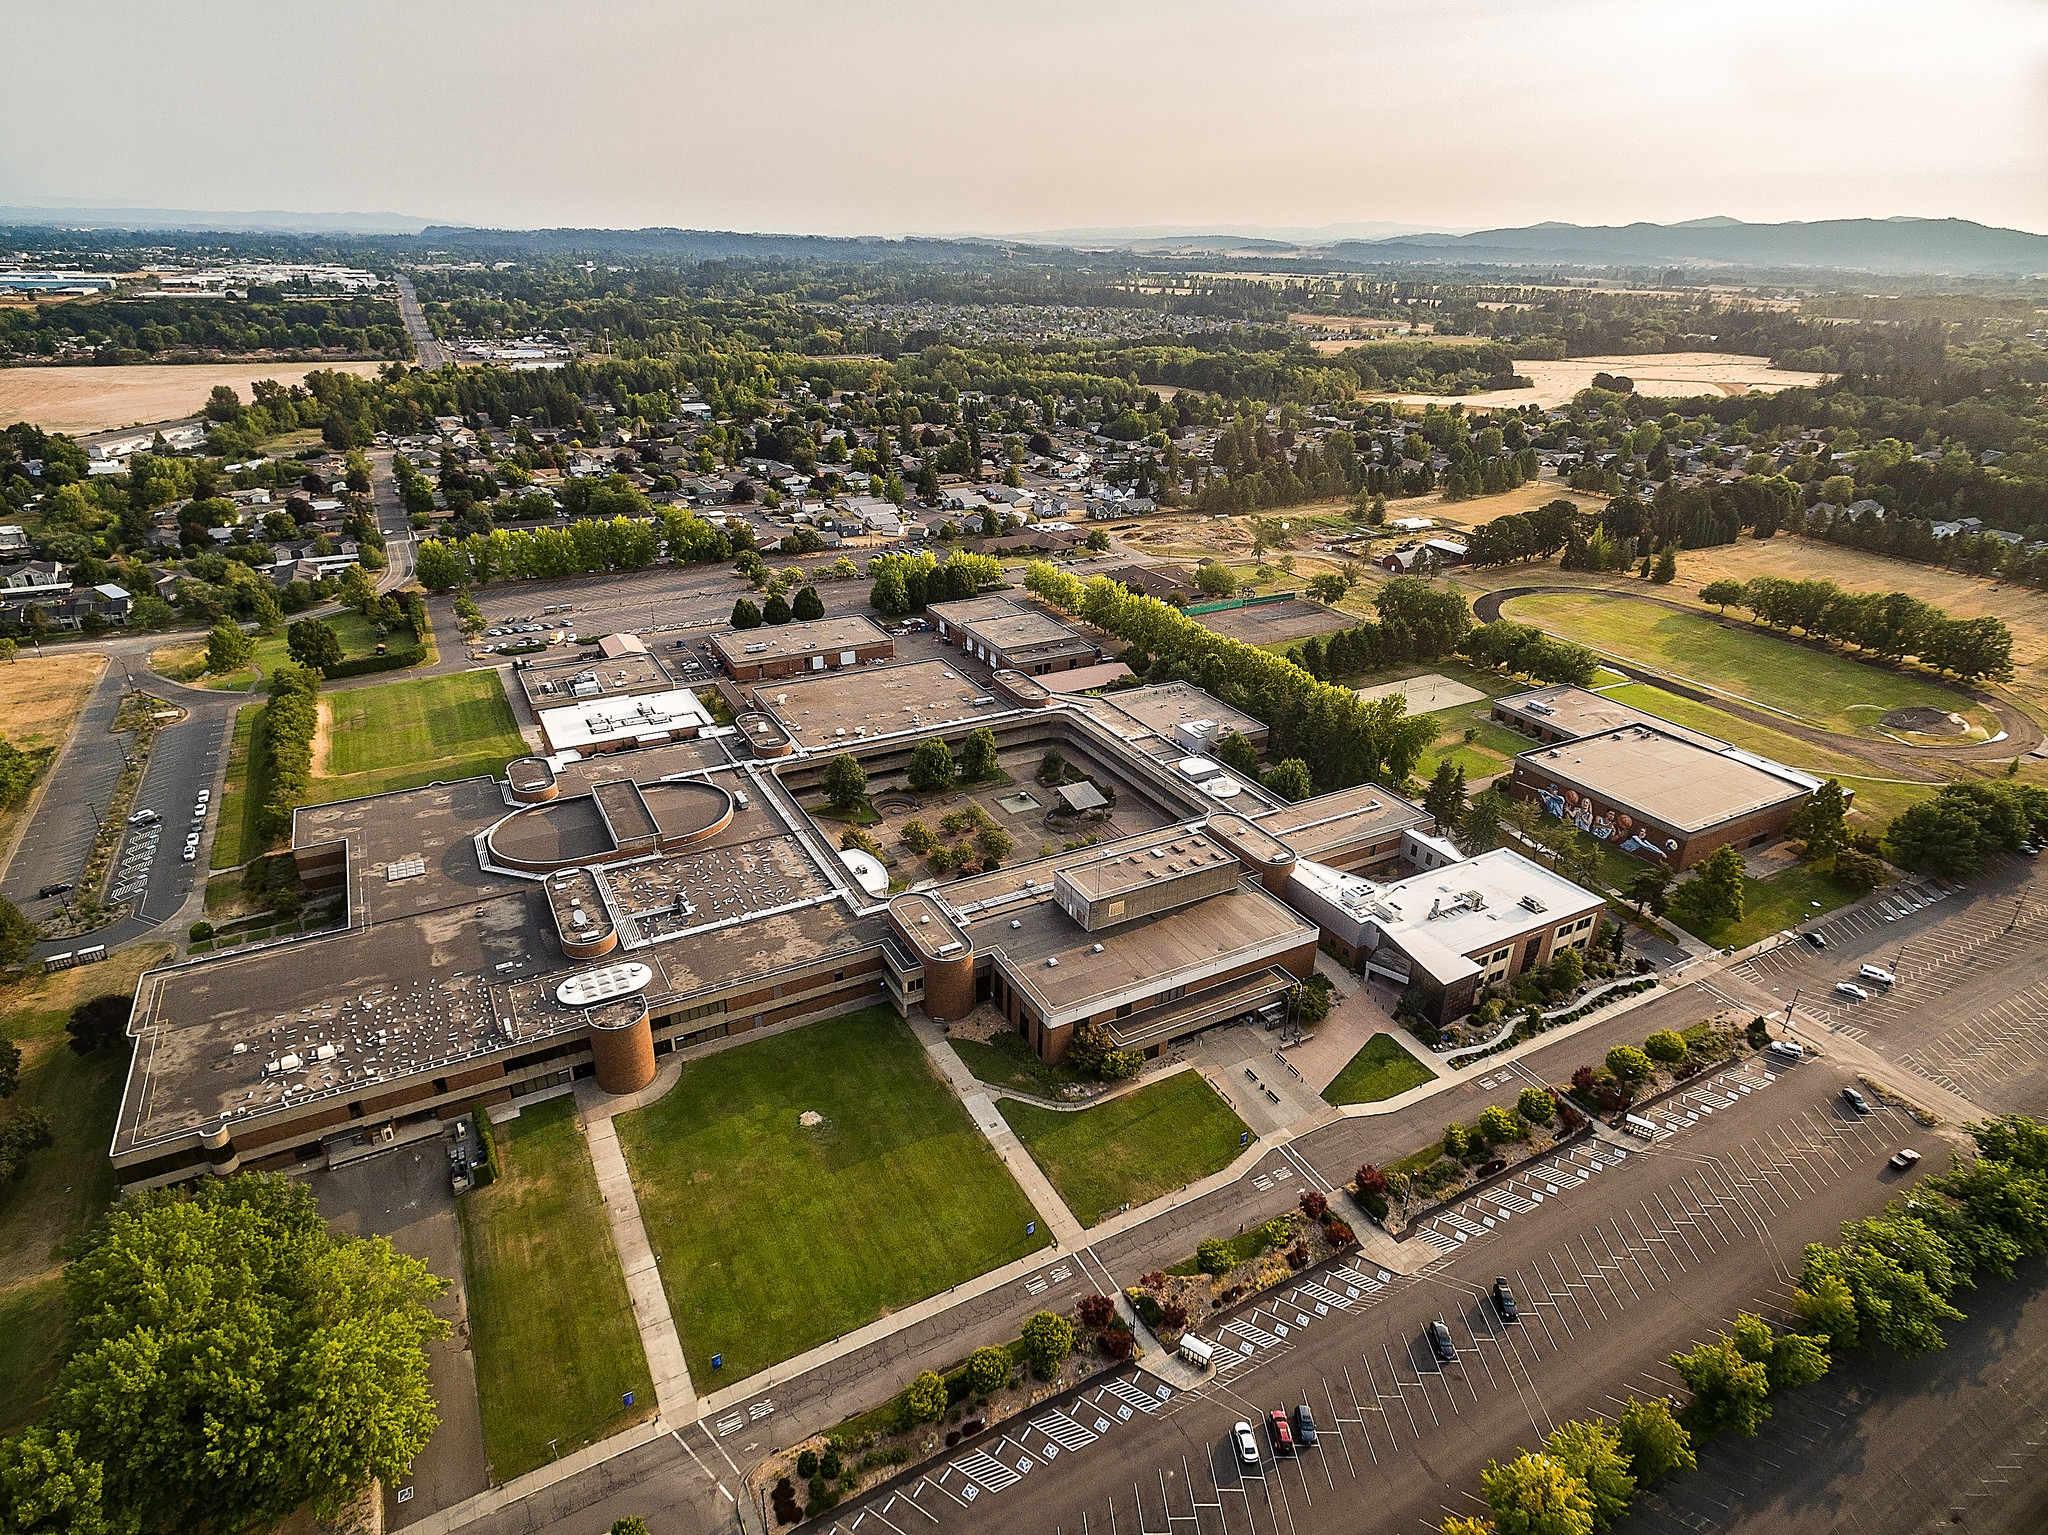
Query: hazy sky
[(849, 116)]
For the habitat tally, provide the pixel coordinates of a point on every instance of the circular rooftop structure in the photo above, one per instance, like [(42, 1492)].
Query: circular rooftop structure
[(617, 819), (607, 983)]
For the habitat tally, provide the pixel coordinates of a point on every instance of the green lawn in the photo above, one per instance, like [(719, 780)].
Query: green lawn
[(1006, 1061), (775, 1236), (238, 837), (1133, 1148), (550, 1324), (398, 735), (1822, 687), (65, 1184), (1493, 746), (1382, 1068), (1781, 901)]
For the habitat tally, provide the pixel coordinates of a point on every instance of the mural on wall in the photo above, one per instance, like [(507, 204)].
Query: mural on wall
[(1575, 809)]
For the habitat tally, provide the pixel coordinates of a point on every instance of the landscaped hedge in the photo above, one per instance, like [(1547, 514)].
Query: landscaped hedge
[(289, 720), (391, 661)]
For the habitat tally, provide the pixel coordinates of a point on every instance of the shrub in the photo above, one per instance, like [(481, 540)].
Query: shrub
[(1628, 1064), (1212, 1255), (1314, 1205), (1665, 1046), (787, 1509), (1535, 1105), (924, 1399), (1758, 1033), (200, 931), (1048, 1339), (988, 1370), (1096, 1310), (807, 1464), (1457, 1140), (822, 1496), (828, 1463), (1339, 1233), (1497, 1125), (1115, 1343)]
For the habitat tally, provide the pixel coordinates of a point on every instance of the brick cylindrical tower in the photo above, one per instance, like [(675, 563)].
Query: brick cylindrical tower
[(622, 1044)]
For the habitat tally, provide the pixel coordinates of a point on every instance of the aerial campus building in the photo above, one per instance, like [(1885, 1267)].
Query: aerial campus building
[(1649, 787), (594, 909)]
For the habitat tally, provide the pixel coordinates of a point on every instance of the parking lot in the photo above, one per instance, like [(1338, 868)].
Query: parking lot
[(1634, 1255)]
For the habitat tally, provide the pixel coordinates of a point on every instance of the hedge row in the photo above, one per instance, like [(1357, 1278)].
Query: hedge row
[(286, 738)]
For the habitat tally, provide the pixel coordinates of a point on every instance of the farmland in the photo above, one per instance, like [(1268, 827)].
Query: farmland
[(89, 399), (1662, 375)]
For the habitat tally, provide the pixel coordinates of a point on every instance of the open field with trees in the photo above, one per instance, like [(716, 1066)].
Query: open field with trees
[(1821, 688), (776, 1235), (1131, 1149), (98, 399), (66, 1184), (551, 1325)]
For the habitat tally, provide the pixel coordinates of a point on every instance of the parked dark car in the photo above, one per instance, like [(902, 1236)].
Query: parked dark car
[(1818, 940), (1859, 1104), (1440, 1343), (57, 889), (1504, 1301), (1304, 1426)]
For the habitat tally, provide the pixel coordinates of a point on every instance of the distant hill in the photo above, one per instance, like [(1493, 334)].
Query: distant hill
[(106, 216), (1868, 245), (706, 244)]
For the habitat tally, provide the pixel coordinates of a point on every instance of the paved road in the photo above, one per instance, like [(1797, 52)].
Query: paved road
[(1612, 1272), (427, 348)]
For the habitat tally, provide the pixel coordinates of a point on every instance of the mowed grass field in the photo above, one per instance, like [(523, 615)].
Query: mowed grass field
[(550, 1323), (40, 700), (1807, 683), (1382, 1068), (2022, 609), (398, 735), (1784, 900), (67, 1183), (1132, 1148), (187, 663), (775, 1236), (237, 837)]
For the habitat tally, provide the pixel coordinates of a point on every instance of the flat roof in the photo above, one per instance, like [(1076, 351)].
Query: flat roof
[(1164, 705), (1312, 827), (1120, 872), (780, 642), (599, 722), (1666, 778), (1581, 712), (549, 684), (1010, 627), (876, 700)]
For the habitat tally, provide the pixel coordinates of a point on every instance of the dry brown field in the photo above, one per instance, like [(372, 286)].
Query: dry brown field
[(1662, 375), (40, 700), (89, 399)]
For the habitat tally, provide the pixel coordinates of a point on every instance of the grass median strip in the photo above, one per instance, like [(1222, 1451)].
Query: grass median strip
[(1132, 1148), (803, 1185), (552, 1328), (1382, 1068)]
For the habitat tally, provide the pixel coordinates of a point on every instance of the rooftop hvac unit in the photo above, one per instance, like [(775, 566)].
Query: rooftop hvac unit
[(1052, 962), (1015, 923), (1095, 948)]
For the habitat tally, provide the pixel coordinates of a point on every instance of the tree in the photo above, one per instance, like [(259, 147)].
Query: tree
[(439, 566), (1954, 833), (994, 845), (931, 766), (632, 1524), (1666, 1046), (1592, 1452), (1215, 579), (48, 1486), (98, 1023), (1536, 1494), (745, 615), (988, 1370), (227, 648), (1655, 1442), (1048, 1339), (776, 610), (1290, 780), (1828, 1306), (1098, 541), (17, 936), (1730, 1394), (10, 1067), (1445, 798), (808, 604), (1329, 587), (1651, 890), (1665, 571), (7, 648), (846, 783), (978, 755), (1237, 754), (357, 591), (301, 1375), (925, 1397), (1725, 594), (313, 642), (1822, 822), (1535, 1105), (1714, 893), (1465, 1524)]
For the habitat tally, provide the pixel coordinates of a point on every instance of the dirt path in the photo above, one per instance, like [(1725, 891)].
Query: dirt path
[(2022, 734)]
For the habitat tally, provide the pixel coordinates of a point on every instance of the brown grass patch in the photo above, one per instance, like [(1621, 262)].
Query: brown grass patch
[(1660, 375), (90, 399)]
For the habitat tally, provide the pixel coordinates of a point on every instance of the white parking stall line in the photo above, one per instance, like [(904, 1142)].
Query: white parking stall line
[(1250, 1333), (984, 1471), (1061, 1433), (1321, 1295)]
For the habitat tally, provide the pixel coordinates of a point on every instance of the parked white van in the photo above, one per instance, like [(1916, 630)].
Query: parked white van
[(1879, 974)]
